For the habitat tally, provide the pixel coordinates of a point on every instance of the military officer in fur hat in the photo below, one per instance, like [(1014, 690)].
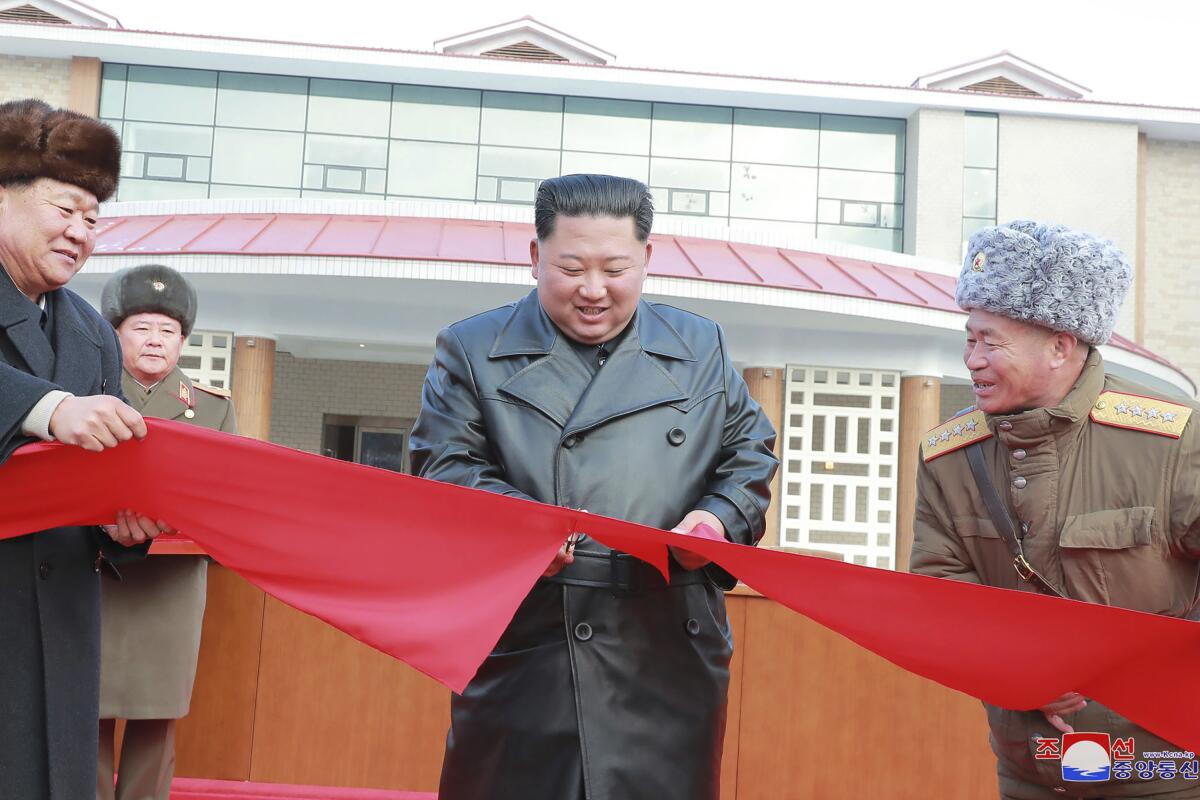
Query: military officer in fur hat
[(150, 634), (60, 380), (1063, 479)]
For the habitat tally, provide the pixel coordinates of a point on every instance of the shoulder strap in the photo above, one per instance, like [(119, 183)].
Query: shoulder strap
[(1003, 522)]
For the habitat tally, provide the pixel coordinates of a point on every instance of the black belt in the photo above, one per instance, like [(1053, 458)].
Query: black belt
[(621, 573)]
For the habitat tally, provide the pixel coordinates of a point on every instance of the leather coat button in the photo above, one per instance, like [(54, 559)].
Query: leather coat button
[(583, 631), (1019, 454), (676, 436), (1019, 482), (692, 626), (44, 570), (571, 441)]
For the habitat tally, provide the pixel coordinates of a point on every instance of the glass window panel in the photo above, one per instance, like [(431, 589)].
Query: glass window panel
[(970, 226), (864, 435), (164, 167), (346, 151), (680, 174), (979, 192), (260, 158), (376, 181), (112, 90), (846, 185), (432, 169), (314, 176), (689, 202), (860, 213), (349, 107), (862, 143), (770, 192), (891, 215), (521, 120), (222, 191), (518, 191), (261, 101), (430, 112), (518, 163), (775, 137), (880, 238), (610, 126), (692, 131), (198, 168), (161, 190), (816, 501), (980, 140), (332, 194), (818, 430), (183, 140), (637, 167), (132, 164), (346, 180), (861, 503), (839, 507), (162, 94), (489, 189), (888, 379)]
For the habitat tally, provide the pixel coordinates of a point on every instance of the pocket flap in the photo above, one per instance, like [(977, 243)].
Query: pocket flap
[(1114, 529), (975, 526)]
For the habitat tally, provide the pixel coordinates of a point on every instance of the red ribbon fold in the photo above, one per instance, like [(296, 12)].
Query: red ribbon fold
[(432, 573)]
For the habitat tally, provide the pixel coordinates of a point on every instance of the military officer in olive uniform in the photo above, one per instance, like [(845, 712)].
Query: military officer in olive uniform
[(150, 621), (1093, 481)]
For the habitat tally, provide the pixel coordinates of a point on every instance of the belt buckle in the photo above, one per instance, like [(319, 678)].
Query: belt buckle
[(1023, 568)]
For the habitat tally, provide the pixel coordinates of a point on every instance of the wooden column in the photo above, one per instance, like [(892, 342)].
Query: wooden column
[(920, 401), (253, 384), (1139, 258), (766, 387), (84, 92)]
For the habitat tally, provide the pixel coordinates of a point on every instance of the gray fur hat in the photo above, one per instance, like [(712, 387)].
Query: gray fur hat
[(150, 288), (1049, 275)]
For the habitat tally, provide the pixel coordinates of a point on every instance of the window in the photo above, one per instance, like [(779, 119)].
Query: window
[(374, 441), (980, 162), (203, 133)]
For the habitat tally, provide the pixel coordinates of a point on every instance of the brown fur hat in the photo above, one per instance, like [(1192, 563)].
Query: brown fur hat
[(37, 141)]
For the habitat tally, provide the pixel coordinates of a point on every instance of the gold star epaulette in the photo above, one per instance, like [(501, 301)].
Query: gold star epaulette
[(954, 434), (1138, 413), (213, 390)]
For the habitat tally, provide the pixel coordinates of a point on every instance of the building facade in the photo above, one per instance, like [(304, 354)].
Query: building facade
[(336, 206)]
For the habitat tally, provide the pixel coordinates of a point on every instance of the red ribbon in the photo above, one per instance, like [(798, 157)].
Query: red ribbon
[(432, 573)]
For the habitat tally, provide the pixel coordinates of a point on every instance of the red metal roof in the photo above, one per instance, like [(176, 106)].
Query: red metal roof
[(507, 243)]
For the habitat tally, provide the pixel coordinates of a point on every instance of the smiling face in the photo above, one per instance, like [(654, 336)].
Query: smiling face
[(1016, 366), (47, 231), (150, 345), (589, 275)]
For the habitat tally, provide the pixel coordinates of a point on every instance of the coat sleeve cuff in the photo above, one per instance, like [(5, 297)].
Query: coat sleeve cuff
[(737, 529), (37, 421)]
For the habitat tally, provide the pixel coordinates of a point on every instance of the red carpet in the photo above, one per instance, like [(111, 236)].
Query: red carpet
[(201, 789)]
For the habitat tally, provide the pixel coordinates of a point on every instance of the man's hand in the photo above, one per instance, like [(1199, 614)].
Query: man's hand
[(96, 422), (564, 556), (134, 529), (1069, 703), (689, 560)]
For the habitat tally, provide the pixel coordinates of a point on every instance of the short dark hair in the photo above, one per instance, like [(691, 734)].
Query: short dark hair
[(593, 196)]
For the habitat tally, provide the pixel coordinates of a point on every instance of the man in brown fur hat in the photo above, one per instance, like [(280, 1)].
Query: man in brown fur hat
[(60, 379)]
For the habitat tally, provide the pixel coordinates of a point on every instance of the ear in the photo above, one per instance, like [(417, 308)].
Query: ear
[(533, 256), (649, 252), (1062, 347)]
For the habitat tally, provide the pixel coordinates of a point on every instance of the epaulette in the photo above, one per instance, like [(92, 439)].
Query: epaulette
[(955, 433), (214, 390), (1137, 413)]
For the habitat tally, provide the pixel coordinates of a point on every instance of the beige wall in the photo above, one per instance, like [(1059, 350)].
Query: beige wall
[(307, 389), (1077, 173), (48, 79), (1172, 270), (933, 191)]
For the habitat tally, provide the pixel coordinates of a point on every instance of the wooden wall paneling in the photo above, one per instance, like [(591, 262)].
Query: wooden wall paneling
[(334, 712), (215, 739), (736, 609)]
